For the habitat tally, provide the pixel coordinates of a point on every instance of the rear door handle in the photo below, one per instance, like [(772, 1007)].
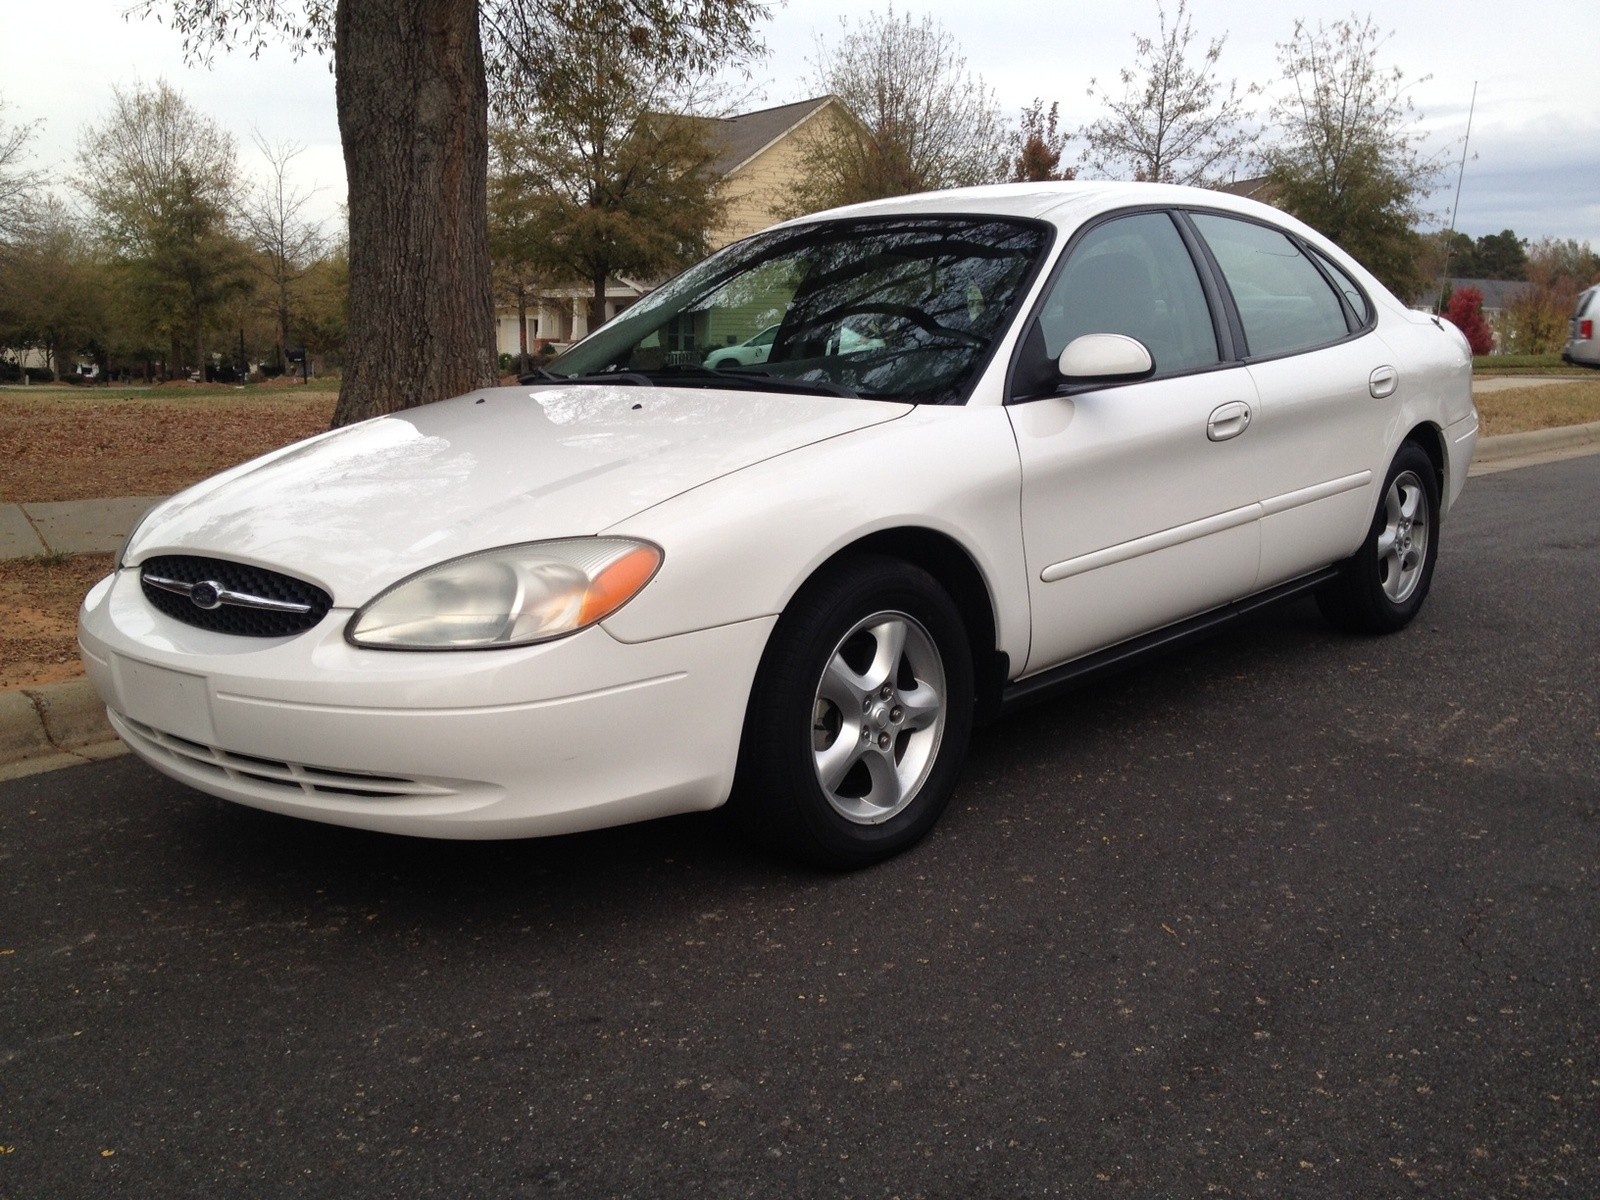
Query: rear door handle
[(1228, 421), (1382, 382)]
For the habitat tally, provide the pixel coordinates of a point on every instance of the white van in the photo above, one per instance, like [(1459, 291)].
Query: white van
[(1583, 348)]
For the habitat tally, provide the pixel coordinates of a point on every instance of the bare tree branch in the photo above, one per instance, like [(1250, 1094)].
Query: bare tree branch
[(286, 241), (1175, 121)]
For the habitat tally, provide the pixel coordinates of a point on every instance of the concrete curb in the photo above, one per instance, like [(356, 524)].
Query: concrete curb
[(54, 725), (1539, 441), (64, 724)]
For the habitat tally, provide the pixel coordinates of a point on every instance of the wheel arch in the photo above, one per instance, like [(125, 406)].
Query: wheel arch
[(954, 569), (1430, 438)]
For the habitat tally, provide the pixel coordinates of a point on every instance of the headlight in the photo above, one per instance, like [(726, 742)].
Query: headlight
[(508, 597)]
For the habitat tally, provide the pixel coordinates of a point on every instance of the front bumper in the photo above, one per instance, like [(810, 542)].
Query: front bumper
[(573, 734)]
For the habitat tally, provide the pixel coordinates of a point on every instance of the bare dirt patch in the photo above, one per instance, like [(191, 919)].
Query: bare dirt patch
[(40, 599), (69, 445), (1519, 410)]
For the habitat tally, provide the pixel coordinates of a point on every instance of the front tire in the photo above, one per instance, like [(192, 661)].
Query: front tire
[(859, 717), (1381, 587)]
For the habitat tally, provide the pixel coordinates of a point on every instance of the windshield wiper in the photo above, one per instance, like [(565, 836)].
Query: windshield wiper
[(750, 379), (540, 375), (667, 376)]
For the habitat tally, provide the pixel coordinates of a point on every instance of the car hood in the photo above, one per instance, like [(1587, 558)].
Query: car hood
[(358, 508)]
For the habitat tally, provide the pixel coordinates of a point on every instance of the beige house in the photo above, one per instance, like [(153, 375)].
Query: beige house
[(760, 158)]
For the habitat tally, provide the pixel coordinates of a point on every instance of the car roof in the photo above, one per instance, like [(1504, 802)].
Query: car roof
[(1065, 203), (1068, 203)]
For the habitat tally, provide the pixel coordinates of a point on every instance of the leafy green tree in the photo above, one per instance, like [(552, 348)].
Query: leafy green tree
[(322, 319), (604, 175), (21, 186), (1500, 255), (923, 120), (1347, 159), (1175, 121), (160, 179), (1447, 253), (68, 302), (514, 232), (413, 81)]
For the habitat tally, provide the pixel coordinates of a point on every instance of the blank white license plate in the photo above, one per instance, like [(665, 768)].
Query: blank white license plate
[(172, 701)]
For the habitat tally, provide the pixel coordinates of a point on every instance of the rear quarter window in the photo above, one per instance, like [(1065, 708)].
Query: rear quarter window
[(1284, 302), (1352, 293)]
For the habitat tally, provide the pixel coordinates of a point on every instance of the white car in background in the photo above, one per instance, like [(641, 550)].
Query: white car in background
[(747, 353), (1095, 418), (1583, 348), (847, 340)]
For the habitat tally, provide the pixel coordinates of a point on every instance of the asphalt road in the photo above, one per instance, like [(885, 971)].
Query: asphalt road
[(1289, 914)]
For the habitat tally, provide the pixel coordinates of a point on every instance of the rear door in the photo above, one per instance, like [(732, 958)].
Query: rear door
[(1328, 390)]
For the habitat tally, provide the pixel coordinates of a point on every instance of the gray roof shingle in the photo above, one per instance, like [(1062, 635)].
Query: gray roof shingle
[(740, 138)]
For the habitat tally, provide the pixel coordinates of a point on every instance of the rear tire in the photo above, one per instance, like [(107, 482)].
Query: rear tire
[(859, 717), (1381, 586)]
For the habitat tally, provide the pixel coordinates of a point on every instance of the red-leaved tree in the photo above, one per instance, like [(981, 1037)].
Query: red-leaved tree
[(1465, 312)]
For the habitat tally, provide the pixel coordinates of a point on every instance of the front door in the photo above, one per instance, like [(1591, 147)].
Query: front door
[(1139, 501)]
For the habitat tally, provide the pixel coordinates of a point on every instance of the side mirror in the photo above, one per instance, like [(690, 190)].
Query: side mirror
[(1105, 356)]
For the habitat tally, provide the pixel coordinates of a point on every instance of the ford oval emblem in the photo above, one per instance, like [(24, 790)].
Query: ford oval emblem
[(207, 595)]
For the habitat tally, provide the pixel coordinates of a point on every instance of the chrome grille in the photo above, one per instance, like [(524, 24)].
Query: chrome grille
[(284, 605)]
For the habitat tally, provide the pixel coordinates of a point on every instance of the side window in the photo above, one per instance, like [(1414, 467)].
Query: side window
[(1352, 293), (1133, 275), (1283, 300)]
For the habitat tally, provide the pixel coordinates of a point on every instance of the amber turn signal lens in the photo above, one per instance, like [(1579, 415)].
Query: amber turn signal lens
[(619, 583)]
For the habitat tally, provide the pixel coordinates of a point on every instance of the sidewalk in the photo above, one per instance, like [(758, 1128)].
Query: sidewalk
[(69, 526), (62, 724)]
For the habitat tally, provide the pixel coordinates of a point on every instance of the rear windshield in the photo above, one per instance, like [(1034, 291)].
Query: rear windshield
[(903, 308)]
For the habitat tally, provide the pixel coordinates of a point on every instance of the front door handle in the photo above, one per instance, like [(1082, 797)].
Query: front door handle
[(1228, 421)]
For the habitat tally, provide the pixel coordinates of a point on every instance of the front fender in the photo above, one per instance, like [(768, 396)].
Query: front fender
[(740, 546)]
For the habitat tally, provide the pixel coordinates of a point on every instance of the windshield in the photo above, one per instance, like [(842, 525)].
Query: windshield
[(902, 308)]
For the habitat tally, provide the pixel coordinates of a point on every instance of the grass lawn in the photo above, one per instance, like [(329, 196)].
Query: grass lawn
[(1519, 410), (1521, 364), (74, 443)]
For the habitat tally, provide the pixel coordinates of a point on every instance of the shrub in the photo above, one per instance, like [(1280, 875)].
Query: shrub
[(1465, 312)]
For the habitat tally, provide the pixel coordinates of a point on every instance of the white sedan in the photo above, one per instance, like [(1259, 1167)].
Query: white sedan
[(748, 353), (1095, 418)]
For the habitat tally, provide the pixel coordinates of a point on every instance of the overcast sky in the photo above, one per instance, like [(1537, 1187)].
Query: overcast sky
[(1535, 136)]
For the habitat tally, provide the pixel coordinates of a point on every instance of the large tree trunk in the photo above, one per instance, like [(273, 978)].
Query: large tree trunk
[(283, 324), (198, 332), (522, 328), (413, 116)]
